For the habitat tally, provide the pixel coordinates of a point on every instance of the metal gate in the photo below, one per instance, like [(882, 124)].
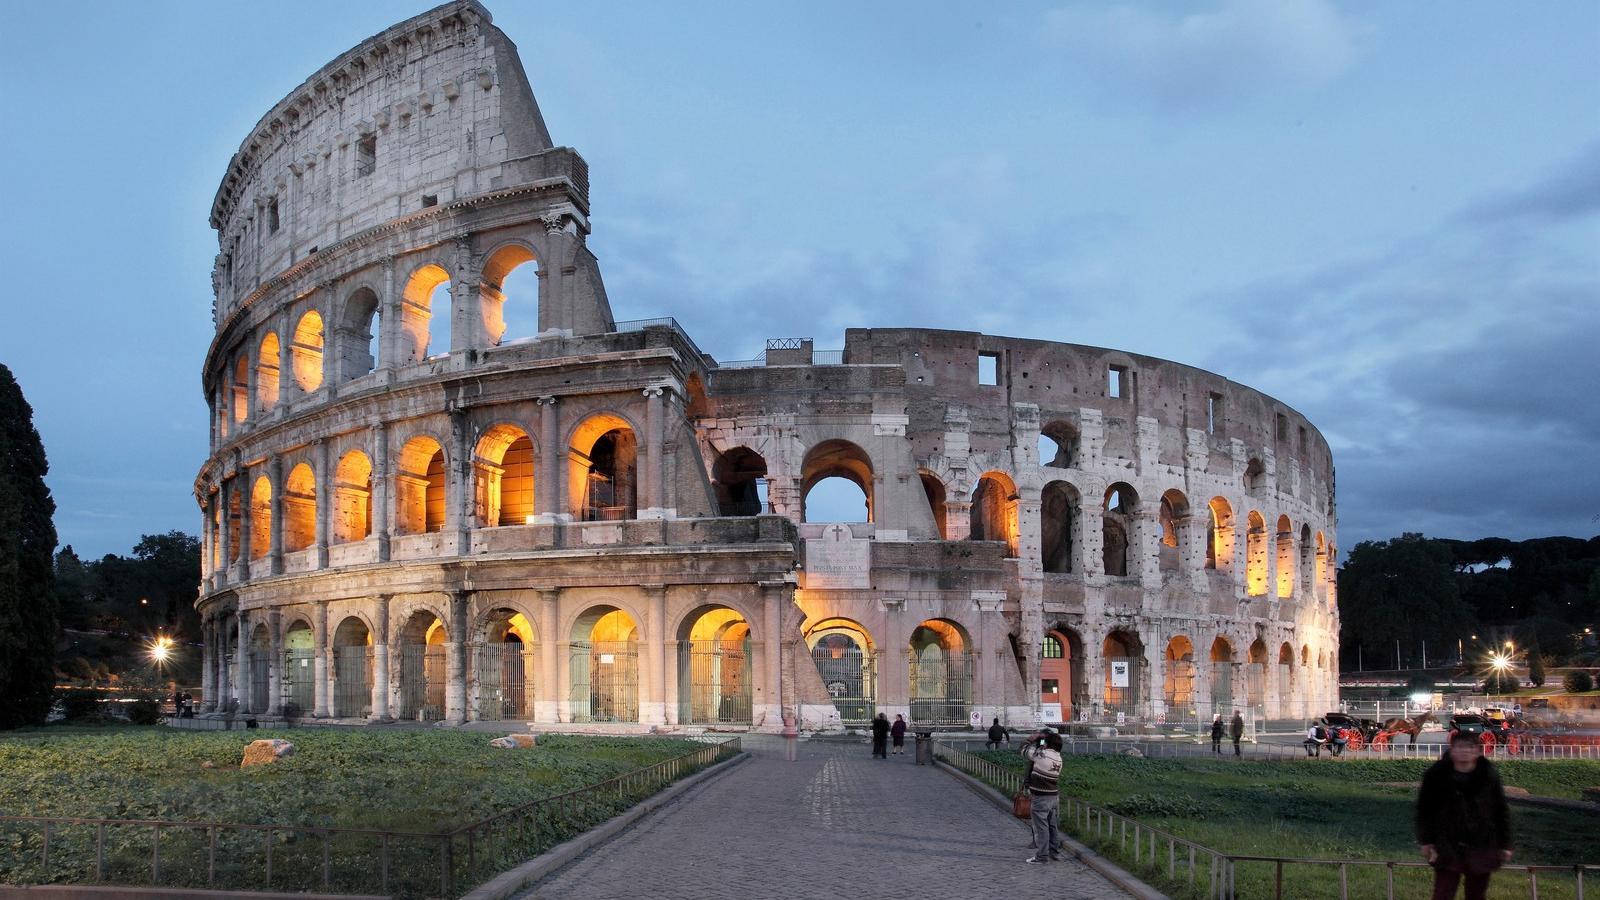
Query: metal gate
[(941, 687), (299, 676), (502, 676), (352, 674), (605, 681), (714, 683), (421, 682), (851, 680), (260, 680)]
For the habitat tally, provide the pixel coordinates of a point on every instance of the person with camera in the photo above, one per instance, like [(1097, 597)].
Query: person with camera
[(1042, 749)]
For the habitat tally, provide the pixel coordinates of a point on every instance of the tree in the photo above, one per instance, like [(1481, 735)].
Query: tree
[(1402, 590), (1535, 667), (1577, 682), (27, 545)]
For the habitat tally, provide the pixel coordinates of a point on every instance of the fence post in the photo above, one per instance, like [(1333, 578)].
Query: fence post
[(155, 855), (100, 852), (1389, 881), (46, 862), (211, 855), (1344, 882), (1277, 881), (447, 861)]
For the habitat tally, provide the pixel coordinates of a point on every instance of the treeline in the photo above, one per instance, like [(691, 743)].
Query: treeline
[(1464, 596), (110, 608)]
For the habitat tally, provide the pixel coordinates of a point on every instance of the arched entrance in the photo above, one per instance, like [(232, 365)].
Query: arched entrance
[(299, 669), (941, 673), (260, 669), (1286, 680), (714, 668), (352, 669), (1177, 686), (604, 667), (1256, 677), (505, 660), (422, 668), (604, 470), (1123, 654), (1221, 676), (842, 652), (1060, 670)]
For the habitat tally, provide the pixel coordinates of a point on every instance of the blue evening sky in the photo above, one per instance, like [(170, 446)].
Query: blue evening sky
[(1384, 214)]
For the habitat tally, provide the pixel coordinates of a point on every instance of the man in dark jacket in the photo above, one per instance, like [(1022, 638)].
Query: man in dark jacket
[(880, 736), (1216, 733), (997, 734), (1236, 728), (1463, 823)]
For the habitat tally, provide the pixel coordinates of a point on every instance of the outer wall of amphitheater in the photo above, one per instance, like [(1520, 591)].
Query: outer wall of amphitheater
[(446, 484)]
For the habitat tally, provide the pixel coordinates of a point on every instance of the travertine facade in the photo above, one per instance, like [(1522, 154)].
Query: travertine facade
[(555, 517)]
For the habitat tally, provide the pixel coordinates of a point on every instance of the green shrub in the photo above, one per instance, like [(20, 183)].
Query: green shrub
[(144, 712), (1164, 806), (1501, 683), (1577, 682), (82, 704)]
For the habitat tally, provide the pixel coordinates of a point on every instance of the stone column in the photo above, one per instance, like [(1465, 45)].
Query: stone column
[(223, 677), (466, 305), (382, 514), (244, 487), (655, 450), (455, 661), (275, 664), (770, 715), (1201, 691), (275, 553), (1155, 653), (551, 483), (332, 340), (548, 686), (653, 711), (242, 662), (208, 659), (458, 494), (319, 671), (324, 499), (380, 660), (389, 329), (1145, 548), (224, 533)]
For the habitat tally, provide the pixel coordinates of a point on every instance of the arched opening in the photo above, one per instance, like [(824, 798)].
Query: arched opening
[(352, 669), (1221, 675), (358, 334), (239, 398), (842, 652), (503, 477), (261, 518), (1255, 555), (604, 470), (1059, 510), (235, 520), (1177, 679), (994, 511), (1303, 575), (1285, 557), (504, 666), (1061, 671), (1058, 445), (739, 477), (352, 498), (941, 673), (305, 352), (425, 314), (260, 669), (714, 668), (506, 277), (1219, 535), (604, 667), (1123, 655), (299, 669), (299, 509), (1116, 515), (267, 364), (1254, 475), (839, 463), (933, 489), (419, 487), (1256, 676), (422, 668), (1174, 520), (1285, 680), (1321, 575)]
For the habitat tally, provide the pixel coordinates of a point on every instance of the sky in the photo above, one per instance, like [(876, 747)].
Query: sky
[(1385, 215)]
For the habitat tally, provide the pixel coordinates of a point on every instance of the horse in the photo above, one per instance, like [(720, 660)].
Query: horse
[(1412, 727)]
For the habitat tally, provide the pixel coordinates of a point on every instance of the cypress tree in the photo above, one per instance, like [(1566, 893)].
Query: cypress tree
[(27, 547), (1535, 666)]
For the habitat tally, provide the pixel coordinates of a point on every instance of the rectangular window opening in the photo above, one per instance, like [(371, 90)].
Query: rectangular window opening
[(366, 155), (1213, 412), (988, 368), (430, 200), (1117, 381), (1302, 441), (1283, 427), (1049, 685), (272, 216)]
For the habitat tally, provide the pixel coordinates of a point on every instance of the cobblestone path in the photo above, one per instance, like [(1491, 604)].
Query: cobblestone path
[(834, 823)]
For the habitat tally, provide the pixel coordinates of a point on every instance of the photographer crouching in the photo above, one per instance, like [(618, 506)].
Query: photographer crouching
[(1042, 749)]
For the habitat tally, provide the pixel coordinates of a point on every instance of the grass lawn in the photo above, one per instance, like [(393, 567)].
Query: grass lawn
[(399, 780), (1350, 809)]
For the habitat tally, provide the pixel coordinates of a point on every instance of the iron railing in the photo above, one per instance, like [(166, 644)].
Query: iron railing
[(1210, 873), (232, 855), (1547, 750)]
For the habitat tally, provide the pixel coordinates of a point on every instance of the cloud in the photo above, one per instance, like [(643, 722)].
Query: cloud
[(1201, 59), (1570, 192)]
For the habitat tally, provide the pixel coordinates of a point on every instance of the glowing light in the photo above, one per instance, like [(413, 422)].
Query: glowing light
[(1499, 662), (161, 649)]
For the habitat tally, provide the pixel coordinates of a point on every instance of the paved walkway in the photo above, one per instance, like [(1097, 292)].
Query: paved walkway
[(834, 823)]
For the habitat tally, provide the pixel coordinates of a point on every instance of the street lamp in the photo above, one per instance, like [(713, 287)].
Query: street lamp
[(161, 649), (1499, 663)]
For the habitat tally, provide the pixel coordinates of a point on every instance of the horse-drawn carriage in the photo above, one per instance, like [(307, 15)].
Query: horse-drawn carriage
[(1354, 733), (1493, 728)]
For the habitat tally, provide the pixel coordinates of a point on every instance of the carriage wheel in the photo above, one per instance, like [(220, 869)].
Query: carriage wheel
[(1357, 741), (1513, 744), (1381, 739), (1488, 742)]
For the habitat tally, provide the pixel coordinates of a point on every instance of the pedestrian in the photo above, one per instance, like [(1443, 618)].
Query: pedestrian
[(898, 732), (1236, 728), (880, 736), (1043, 752), (1316, 736), (1463, 823), (997, 733), (1217, 730)]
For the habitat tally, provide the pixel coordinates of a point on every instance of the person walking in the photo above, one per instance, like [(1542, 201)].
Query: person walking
[(1217, 730), (1043, 752), (1236, 728), (898, 732), (997, 733), (880, 736), (1463, 823)]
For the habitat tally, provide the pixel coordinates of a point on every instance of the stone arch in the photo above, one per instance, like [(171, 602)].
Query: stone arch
[(940, 662), (356, 335), (498, 265), (714, 672), (299, 509), (837, 458), (604, 665), (1286, 680), (503, 477), (420, 486), (299, 643), (1178, 675), (603, 473), (352, 667), (505, 663), (739, 479), (1256, 675), (1117, 513), (1219, 535), (938, 501), (843, 652), (994, 510), (305, 352), (1222, 673), (1125, 646), (352, 498), (420, 665), (1062, 447), (1061, 661), (1174, 521), (1255, 555), (425, 287), (1255, 475), (1284, 541), (697, 404), (261, 517), (1303, 570), (268, 363), (1060, 518), (239, 397), (260, 651)]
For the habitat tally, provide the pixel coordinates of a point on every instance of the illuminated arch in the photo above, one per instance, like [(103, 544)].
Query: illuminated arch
[(940, 672), (603, 475), (419, 331), (503, 479), (1255, 555), (837, 458), (994, 511), (299, 509), (842, 650), (352, 498), (1285, 557), (267, 366), (305, 352), (261, 518), (498, 266), (419, 486), (604, 666), (714, 680)]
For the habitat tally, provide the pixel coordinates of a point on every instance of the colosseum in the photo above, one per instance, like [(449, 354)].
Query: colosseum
[(446, 484)]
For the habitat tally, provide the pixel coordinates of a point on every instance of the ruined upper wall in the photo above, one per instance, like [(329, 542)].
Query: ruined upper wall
[(428, 111)]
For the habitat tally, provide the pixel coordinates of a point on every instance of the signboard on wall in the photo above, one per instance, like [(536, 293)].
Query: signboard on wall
[(1049, 712), (837, 560), (1119, 673), (975, 718)]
